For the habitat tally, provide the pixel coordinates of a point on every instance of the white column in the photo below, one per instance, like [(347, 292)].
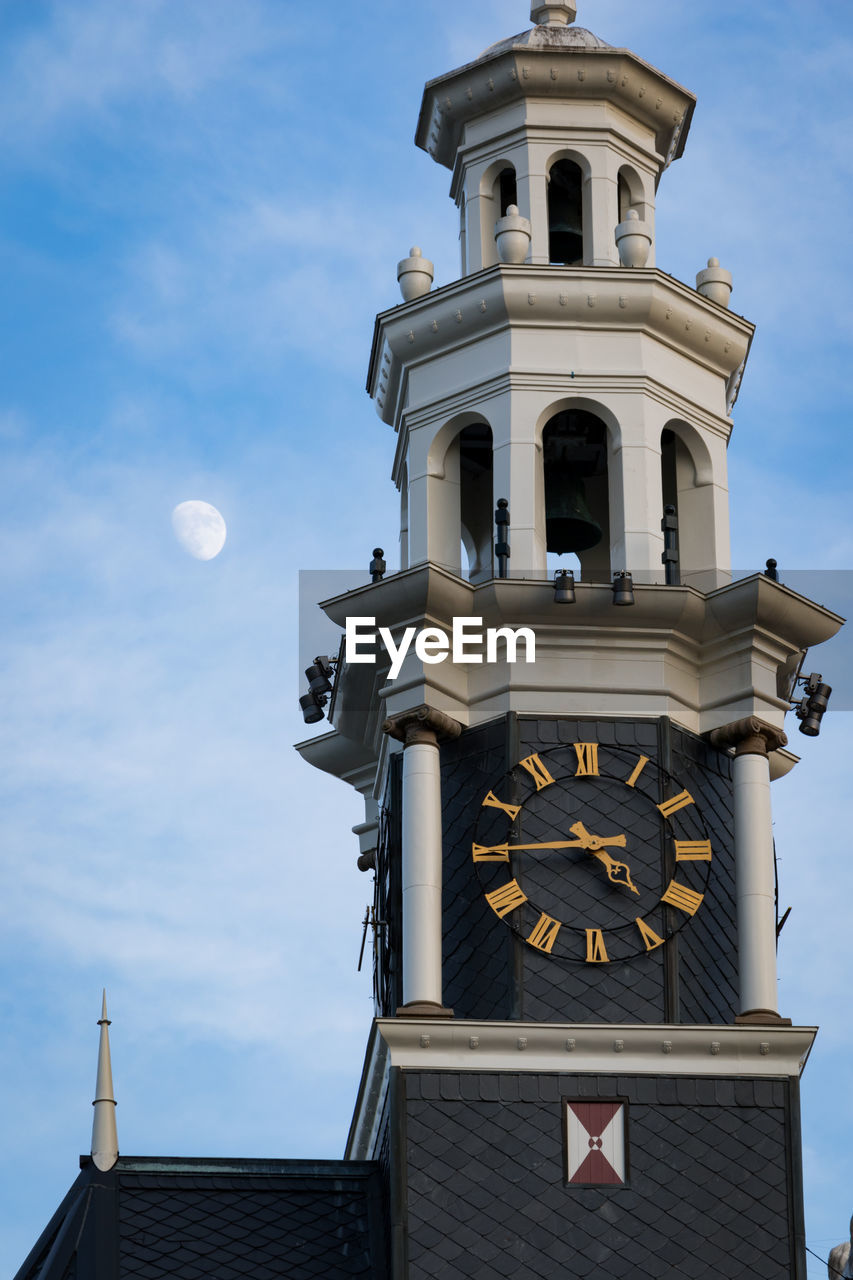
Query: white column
[(532, 190), (636, 490), (420, 730), (755, 880), (421, 874), (601, 214), (756, 888)]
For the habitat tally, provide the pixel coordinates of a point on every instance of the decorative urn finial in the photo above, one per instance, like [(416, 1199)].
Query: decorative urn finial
[(633, 240), (555, 14), (512, 236), (415, 275), (715, 282)]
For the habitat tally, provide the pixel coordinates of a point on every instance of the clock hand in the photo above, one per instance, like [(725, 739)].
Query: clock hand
[(561, 844), (617, 872), (585, 841), (590, 842)]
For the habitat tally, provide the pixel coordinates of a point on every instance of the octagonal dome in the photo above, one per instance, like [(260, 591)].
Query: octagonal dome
[(548, 37)]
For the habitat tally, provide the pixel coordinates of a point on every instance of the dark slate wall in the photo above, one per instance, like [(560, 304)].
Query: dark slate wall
[(489, 973), (712, 1192), (387, 905), (707, 951), (479, 959)]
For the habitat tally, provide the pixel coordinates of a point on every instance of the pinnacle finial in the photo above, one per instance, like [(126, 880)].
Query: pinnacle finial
[(104, 1131), (559, 13)]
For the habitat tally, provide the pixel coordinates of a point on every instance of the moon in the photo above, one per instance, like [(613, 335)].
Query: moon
[(199, 528)]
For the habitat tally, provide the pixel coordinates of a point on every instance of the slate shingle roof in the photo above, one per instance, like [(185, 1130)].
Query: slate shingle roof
[(174, 1219)]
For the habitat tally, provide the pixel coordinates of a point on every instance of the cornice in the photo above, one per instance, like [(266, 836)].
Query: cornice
[(475, 396), (660, 1049), (508, 298), (705, 660), (512, 74)]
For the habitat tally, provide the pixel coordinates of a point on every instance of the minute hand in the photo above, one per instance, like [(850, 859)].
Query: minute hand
[(598, 842)]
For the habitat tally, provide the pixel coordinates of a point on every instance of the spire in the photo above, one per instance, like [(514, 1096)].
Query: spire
[(559, 13), (104, 1132)]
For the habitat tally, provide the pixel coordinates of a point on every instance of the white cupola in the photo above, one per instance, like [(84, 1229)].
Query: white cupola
[(559, 123), (562, 372)]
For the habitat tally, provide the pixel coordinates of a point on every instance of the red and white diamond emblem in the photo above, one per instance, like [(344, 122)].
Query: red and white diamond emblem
[(596, 1143)]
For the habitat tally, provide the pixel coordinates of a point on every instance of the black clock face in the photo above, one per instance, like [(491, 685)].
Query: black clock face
[(591, 853)]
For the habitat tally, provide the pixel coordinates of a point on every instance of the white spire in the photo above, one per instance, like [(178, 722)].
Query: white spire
[(559, 13), (104, 1132)]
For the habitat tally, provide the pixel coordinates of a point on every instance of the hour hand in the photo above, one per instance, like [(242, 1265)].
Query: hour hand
[(617, 872), (591, 842)]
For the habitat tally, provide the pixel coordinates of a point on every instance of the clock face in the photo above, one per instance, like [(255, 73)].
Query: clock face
[(591, 853)]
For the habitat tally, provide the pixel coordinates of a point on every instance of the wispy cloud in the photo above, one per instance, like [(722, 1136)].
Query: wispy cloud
[(88, 59)]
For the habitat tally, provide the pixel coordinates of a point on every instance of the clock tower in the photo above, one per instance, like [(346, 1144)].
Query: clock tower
[(578, 1065)]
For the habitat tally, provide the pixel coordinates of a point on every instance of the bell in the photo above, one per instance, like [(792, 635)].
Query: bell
[(569, 527), (565, 245)]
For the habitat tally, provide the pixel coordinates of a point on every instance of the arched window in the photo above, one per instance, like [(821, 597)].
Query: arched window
[(577, 509), (565, 214)]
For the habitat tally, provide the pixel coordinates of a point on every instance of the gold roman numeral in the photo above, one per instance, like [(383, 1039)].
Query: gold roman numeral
[(678, 895), (537, 771), (492, 802), (596, 952), (638, 769), (587, 754), (545, 934), (650, 938), (693, 851), (506, 899), (490, 853), (681, 801)]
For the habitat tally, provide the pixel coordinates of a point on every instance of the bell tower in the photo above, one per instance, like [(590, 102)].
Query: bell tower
[(578, 1064), (578, 355)]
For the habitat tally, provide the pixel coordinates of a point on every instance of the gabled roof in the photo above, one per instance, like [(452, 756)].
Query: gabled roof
[(192, 1219)]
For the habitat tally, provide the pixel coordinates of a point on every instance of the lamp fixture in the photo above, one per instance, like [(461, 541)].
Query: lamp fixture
[(377, 565), (812, 708), (319, 676), (623, 588), (564, 587)]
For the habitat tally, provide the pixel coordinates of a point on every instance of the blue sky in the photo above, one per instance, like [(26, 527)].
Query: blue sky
[(201, 208)]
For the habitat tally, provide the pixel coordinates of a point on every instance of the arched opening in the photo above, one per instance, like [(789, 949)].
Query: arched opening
[(630, 193), (404, 517), (669, 490), (498, 189), (669, 468), (577, 505), (686, 485), (565, 214), (506, 190), (476, 499), (463, 235), (624, 197)]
